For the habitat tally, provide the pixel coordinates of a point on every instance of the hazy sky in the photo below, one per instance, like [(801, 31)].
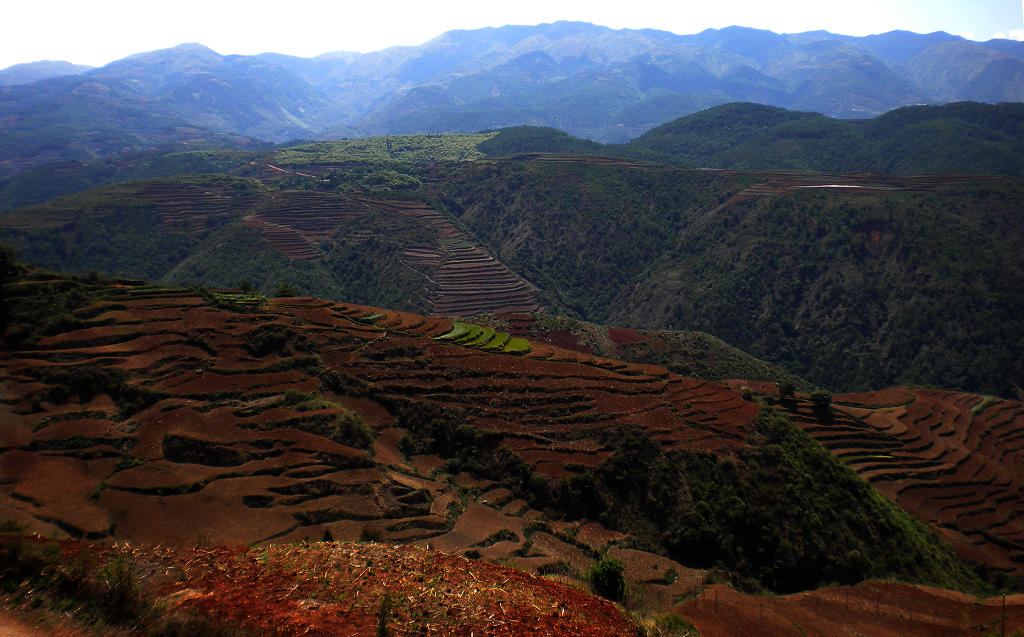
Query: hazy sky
[(99, 31)]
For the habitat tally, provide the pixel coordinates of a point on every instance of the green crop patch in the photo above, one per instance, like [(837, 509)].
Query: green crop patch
[(471, 334), (498, 343), (482, 339), (458, 331), (517, 345)]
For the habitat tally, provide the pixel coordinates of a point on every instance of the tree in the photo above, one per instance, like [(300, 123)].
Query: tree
[(822, 399), (786, 389), (285, 289), (606, 577)]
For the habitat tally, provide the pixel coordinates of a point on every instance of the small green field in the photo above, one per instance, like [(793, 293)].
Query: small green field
[(407, 148), (485, 338)]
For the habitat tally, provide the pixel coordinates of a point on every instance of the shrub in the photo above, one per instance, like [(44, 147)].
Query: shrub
[(285, 289), (822, 399), (294, 397), (111, 592), (275, 339), (606, 577), (118, 590), (348, 429)]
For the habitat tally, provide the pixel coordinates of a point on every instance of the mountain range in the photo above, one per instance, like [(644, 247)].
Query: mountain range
[(595, 82)]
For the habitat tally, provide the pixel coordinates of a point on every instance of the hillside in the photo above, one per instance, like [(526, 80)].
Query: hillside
[(174, 415), (594, 82), (219, 231), (769, 262), (840, 279), (35, 71), (946, 457), (372, 587)]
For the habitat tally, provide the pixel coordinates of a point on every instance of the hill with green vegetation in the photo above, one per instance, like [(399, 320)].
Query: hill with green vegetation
[(190, 230), (964, 137), (517, 140), (851, 282), (41, 184), (856, 291)]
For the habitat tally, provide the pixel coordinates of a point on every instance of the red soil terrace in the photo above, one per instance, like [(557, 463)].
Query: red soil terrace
[(954, 460)]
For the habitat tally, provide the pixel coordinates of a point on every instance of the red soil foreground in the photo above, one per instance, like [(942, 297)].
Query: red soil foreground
[(338, 589), (328, 589)]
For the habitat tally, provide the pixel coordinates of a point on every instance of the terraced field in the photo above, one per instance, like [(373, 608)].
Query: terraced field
[(460, 277), (171, 418), (454, 274), (466, 279), (879, 609), (194, 208), (954, 460), (295, 223)]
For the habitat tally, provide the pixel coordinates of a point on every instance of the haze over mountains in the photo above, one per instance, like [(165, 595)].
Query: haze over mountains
[(592, 81)]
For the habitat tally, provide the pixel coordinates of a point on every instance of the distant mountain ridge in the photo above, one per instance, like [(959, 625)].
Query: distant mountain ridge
[(42, 70), (591, 81), (960, 137)]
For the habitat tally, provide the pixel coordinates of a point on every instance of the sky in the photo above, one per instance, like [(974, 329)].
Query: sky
[(96, 32)]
